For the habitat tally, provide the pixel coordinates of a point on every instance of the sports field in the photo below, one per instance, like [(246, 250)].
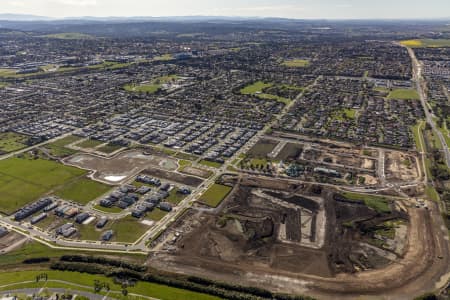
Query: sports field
[(26, 180)]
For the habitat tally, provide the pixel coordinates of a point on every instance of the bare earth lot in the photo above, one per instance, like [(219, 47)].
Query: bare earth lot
[(241, 244), (120, 167)]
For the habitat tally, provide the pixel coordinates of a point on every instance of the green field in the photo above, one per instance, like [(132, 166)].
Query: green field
[(113, 209), (7, 72), (417, 133), (164, 57), (26, 180), (404, 94), (108, 149), (215, 194), (426, 43), (211, 164), (35, 249), (127, 230), (89, 144), (152, 87), (156, 214), (3, 85), (10, 142), (175, 197), (182, 163), (70, 36), (148, 289), (142, 88), (296, 63), (432, 194), (378, 203), (257, 88), (83, 191), (345, 114), (58, 148), (273, 97), (254, 88)]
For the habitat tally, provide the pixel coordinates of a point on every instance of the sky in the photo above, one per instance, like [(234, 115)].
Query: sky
[(299, 9)]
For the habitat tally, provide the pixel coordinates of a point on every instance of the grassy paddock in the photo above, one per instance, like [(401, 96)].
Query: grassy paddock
[(89, 144), (426, 43), (148, 289), (404, 94), (211, 164), (25, 180), (254, 88), (378, 203), (296, 63), (69, 36), (83, 191), (215, 194), (10, 142)]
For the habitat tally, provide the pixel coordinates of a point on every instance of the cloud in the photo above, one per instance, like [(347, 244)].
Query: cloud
[(344, 5), (76, 2)]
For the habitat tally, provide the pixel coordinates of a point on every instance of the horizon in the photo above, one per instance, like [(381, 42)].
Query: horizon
[(286, 9)]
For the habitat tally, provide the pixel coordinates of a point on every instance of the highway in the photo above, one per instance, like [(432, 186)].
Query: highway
[(420, 83)]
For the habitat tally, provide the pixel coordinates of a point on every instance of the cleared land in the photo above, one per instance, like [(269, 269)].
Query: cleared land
[(10, 142), (25, 180), (83, 191), (215, 194)]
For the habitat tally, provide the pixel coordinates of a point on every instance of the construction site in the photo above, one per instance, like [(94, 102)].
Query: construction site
[(305, 238)]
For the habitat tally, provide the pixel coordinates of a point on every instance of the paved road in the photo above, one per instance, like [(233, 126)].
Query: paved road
[(420, 82)]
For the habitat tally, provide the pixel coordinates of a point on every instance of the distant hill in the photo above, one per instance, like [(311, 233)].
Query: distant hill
[(18, 17)]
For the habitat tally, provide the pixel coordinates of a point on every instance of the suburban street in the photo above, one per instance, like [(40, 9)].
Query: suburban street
[(420, 83)]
